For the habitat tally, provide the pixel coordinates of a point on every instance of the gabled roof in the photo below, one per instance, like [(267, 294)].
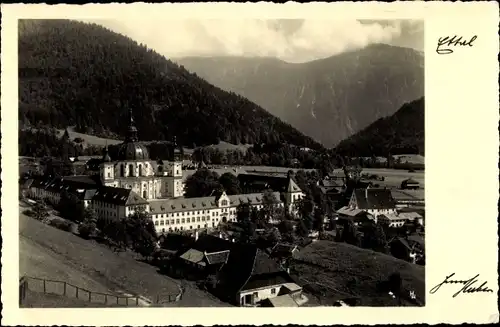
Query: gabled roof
[(283, 301), (408, 195), (118, 196), (332, 183), (347, 211), (193, 255), (409, 215), (283, 250), (217, 258), (248, 268), (292, 186), (81, 188), (84, 179), (417, 239), (176, 242), (211, 244), (374, 199)]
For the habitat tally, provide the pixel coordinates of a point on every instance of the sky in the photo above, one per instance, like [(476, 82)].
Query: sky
[(292, 40)]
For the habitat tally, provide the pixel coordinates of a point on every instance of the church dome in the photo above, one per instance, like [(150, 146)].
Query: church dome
[(133, 151)]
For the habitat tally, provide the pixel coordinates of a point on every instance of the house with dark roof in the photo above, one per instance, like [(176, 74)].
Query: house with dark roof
[(283, 250), (357, 216), (204, 257), (250, 277), (114, 202), (51, 188), (401, 218), (410, 248), (408, 198), (373, 201)]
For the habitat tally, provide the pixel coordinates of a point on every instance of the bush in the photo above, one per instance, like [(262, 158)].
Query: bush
[(62, 225), (28, 212)]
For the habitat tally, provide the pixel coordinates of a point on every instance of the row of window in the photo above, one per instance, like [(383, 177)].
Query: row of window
[(171, 229), (182, 221), (106, 213), (106, 205)]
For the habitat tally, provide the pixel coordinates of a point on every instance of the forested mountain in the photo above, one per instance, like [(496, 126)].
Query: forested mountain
[(328, 99), (401, 133), (78, 74)]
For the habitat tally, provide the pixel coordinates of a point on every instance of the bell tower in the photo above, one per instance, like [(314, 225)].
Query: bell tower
[(107, 169)]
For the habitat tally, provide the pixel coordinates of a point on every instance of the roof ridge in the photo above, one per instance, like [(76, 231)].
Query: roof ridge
[(251, 272)]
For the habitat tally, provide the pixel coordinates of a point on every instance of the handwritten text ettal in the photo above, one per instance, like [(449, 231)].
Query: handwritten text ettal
[(446, 43)]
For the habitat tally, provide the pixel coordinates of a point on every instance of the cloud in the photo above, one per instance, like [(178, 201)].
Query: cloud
[(291, 40)]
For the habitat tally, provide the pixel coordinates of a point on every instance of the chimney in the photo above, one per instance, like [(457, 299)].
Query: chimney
[(196, 236)]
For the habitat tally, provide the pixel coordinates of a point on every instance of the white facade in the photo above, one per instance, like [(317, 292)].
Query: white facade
[(143, 178), (251, 297), (139, 176), (185, 217), (353, 204)]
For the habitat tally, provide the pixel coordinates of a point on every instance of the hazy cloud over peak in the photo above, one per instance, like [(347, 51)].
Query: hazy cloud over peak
[(293, 40)]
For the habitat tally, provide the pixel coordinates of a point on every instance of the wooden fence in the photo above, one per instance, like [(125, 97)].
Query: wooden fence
[(66, 289)]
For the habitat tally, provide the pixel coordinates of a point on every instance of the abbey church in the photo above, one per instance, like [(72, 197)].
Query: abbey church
[(133, 181), (134, 170)]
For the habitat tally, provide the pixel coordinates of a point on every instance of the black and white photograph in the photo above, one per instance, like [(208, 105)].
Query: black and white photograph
[(249, 163), (253, 163)]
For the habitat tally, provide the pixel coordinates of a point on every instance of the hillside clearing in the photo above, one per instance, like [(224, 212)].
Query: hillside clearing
[(333, 271), (225, 146), (88, 139)]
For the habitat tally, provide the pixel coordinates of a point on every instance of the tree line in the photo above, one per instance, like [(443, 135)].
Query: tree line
[(401, 133), (84, 75)]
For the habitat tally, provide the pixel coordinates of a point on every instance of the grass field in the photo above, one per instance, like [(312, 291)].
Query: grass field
[(47, 252), (224, 146), (337, 271), (394, 177), (89, 139)]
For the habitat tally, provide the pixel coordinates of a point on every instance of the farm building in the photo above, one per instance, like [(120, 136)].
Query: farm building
[(410, 184)]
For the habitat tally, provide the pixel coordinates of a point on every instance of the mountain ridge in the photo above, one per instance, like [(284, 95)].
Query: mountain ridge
[(401, 133), (323, 98)]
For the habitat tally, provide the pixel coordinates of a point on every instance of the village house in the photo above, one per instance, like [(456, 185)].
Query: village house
[(408, 198), (113, 202), (50, 189), (205, 257), (358, 216), (400, 219), (410, 248), (250, 277), (373, 201)]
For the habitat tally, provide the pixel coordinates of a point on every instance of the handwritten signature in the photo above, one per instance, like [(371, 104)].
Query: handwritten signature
[(467, 285), (452, 42)]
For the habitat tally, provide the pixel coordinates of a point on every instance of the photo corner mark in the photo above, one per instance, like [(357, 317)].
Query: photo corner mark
[(447, 44), (467, 286)]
